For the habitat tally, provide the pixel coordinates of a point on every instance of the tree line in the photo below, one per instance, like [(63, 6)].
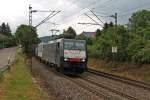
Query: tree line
[(5, 29), (132, 41), (6, 37)]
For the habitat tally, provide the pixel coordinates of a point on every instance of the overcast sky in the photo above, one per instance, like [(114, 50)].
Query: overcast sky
[(15, 12)]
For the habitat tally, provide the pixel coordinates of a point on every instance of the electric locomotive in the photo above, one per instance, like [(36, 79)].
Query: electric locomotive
[(68, 56)]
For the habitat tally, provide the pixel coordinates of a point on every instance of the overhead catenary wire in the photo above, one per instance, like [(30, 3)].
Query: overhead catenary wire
[(93, 20), (89, 6), (123, 13), (48, 15), (89, 14), (96, 16), (47, 18), (96, 23), (88, 23), (81, 10), (86, 7), (99, 14), (127, 12), (33, 11)]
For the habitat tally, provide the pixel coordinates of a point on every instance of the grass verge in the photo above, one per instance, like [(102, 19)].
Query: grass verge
[(123, 69), (17, 84)]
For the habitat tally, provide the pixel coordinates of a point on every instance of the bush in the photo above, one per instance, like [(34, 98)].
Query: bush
[(7, 42)]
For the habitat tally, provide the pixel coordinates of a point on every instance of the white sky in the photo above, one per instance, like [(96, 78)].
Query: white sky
[(15, 12)]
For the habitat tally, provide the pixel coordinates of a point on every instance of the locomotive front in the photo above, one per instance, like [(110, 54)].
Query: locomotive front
[(75, 56)]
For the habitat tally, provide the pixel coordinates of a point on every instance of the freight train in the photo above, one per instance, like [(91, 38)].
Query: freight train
[(68, 56)]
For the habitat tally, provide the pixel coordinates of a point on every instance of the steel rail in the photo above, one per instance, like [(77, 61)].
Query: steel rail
[(121, 79), (110, 89)]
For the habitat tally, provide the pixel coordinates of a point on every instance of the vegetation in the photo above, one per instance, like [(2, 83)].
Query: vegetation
[(6, 37), (83, 37), (27, 37), (7, 42), (133, 42), (70, 33), (125, 69), (5, 29), (18, 84)]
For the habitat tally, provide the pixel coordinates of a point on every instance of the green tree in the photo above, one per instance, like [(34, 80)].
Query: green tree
[(0, 29), (98, 32), (138, 47), (89, 40), (26, 36), (106, 25), (111, 24), (140, 19), (3, 29), (103, 44), (8, 30), (70, 33), (133, 42)]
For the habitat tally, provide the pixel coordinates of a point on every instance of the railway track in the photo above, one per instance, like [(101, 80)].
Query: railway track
[(130, 97), (98, 92), (121, 79), (78, 80), (80, 84), (94, 91), (99, 89), (74, 80)]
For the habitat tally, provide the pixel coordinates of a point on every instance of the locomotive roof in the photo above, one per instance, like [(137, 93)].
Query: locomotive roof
[(74, 40), (60, 40), (41, 43)]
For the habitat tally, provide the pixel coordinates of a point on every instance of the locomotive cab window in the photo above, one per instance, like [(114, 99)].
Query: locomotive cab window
[(70, 45), (79, 46)]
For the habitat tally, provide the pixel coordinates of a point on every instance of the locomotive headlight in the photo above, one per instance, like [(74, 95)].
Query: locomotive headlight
[(65, 59), (83, 60)]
